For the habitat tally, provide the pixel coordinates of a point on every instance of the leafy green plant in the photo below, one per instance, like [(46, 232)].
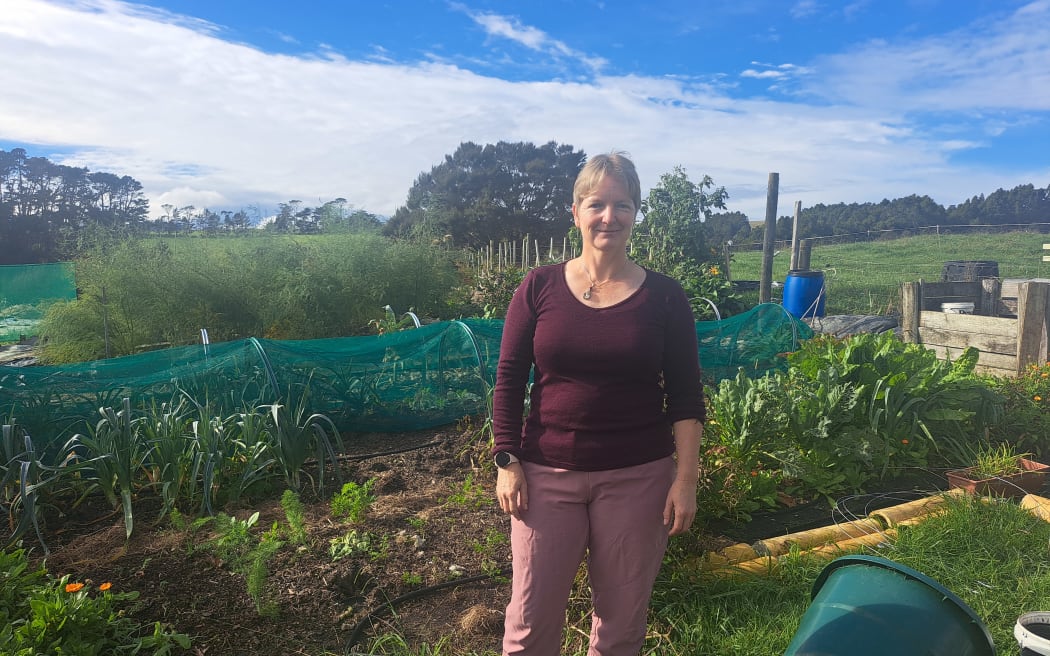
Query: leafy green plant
[(44, 615), (847, 411), (353, 501), (355, 543), (1025, 420)]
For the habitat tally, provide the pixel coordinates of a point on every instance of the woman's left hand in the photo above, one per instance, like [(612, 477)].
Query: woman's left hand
[(680, 507)]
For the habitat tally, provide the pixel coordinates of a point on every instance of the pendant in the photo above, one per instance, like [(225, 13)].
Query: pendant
[(587, 294)]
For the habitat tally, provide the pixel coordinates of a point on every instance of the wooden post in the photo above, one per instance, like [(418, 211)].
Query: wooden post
[(804, 254), (794, 237), (1032, 322), (991, 293), (911, 308), (727, 255), (766, 283)]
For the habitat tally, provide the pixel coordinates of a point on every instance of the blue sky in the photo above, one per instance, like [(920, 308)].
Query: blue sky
[(228, 104)]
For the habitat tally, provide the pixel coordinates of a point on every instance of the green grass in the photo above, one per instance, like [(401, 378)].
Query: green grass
[(992, 555), (865, 278)]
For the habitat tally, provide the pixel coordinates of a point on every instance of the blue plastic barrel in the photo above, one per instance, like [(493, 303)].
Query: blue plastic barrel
[(804, 293)]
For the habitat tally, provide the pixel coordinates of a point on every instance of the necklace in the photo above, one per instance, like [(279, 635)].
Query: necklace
[(595, 286)]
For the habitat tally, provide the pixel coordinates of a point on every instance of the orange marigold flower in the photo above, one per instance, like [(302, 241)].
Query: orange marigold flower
[(713, 271), (1037, 398), (1044, 375), (105, 586), (74, 587), (904, 441)]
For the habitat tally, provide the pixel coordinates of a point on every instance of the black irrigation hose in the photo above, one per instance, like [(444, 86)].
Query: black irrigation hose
[(389, 605), (366, 456)]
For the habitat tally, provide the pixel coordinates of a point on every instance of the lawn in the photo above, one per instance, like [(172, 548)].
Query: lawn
[(865, 278)]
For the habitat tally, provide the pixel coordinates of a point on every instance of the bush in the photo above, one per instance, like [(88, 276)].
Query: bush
[(153, 293), (1025, 423)]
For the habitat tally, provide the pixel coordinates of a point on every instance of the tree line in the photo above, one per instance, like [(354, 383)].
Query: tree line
[(476, 195), (1022, 205)]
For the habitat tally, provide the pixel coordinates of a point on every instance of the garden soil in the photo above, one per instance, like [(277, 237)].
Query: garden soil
[(437, 572)]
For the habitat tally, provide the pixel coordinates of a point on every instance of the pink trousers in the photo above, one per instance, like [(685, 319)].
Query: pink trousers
[(613, 517)]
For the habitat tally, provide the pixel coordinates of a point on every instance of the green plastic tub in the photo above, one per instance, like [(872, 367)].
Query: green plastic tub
[(869, 606)]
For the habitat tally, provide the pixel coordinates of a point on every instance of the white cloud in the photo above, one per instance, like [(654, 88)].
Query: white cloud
[(532, 38), (998, 63), (805, 8), (206, 122)]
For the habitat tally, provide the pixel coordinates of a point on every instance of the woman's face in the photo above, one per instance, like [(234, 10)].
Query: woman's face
[(606, 215)]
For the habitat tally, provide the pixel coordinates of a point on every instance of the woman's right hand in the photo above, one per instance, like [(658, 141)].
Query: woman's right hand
[(512, 491)]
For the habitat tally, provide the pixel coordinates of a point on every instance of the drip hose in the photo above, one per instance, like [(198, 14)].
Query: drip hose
[(408, 596)]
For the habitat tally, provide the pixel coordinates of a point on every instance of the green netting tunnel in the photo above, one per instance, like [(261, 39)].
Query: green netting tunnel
[(26, 290), (415, 379)]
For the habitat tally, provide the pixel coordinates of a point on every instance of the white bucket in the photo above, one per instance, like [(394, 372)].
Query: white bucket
[(957, 308), (1031, 632)]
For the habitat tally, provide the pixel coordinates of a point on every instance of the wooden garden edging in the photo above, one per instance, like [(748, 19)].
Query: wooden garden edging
[(1007, 345)]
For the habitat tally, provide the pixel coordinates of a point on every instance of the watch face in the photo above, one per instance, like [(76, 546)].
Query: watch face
[(502, 459)]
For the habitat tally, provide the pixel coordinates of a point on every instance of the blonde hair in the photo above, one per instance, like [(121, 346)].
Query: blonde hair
[(615, 163)]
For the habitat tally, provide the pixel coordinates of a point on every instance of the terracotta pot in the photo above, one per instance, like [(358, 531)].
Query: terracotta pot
[(1017, 485)]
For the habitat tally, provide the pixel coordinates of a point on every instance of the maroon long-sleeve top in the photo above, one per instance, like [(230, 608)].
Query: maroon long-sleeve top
[(608, 382)]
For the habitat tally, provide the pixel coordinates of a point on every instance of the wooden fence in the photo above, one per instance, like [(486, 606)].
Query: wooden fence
[(1008, 342)]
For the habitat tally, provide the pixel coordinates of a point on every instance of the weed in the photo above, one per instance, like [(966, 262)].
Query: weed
[(470, 494), (410, 578)]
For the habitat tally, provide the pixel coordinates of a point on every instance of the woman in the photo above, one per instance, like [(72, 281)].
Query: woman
[(606, 464)]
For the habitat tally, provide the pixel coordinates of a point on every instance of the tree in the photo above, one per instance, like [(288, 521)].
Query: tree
[(337, 216), (672, 231), (726, 226), (44, 205), (671, 239), (493, 193)]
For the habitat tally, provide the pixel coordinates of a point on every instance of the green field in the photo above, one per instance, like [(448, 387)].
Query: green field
[(865, 278)]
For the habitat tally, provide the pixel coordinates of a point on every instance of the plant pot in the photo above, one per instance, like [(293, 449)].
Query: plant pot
[(1028, 481)]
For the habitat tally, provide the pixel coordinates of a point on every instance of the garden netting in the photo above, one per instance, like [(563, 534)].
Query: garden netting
[(26, 290), (397, 382)]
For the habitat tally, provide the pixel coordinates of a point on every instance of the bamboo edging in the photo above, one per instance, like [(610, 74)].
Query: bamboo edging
[(831, 541)]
